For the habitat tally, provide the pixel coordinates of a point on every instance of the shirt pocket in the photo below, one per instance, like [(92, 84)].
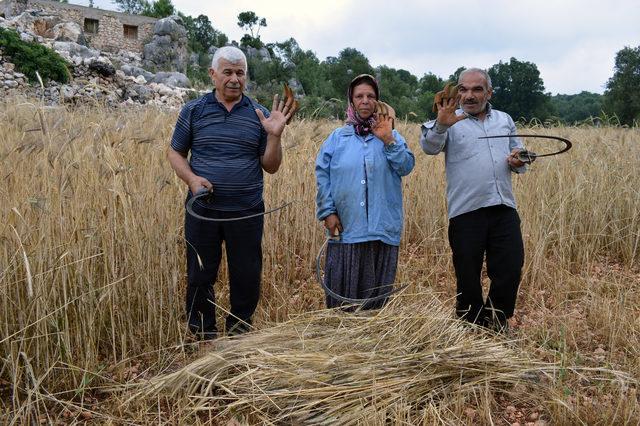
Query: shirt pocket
[(464, 147), (388, 204), (392, 218)]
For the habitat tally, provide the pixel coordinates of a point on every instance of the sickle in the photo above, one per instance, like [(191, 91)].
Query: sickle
[(529, 156), (348, 300), (205, 193)]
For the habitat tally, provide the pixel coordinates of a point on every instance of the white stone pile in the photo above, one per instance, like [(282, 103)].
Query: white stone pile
[(10, 79)]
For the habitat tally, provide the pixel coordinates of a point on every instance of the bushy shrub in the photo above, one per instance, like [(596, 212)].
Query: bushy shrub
[(199, 76), (315, 107), (30, 57)]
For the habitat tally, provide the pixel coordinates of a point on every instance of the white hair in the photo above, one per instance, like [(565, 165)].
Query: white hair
[(479, 71), (231, 54)]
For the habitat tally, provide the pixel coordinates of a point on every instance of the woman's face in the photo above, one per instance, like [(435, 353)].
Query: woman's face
[(363, 98)]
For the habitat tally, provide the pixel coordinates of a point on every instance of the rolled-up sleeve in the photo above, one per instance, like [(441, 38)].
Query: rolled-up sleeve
[(324, 202), (400, 158), (432, 142)]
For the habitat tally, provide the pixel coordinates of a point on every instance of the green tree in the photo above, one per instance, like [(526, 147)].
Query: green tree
[(158, 9), (519, 90), (134, 7), (201, 33), (575, 108), (428, 85), (398, 88), (287, 49), (621, 96), (341, 70), (248, 41), (253, 23), (308, 69), (204, 32), (250, 21), (263, 72), (456, 75), (32, 57)]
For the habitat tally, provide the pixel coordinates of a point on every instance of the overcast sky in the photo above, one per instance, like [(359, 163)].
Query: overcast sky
[(572, 42)]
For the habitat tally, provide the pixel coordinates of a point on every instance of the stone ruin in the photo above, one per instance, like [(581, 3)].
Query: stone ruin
[(104, 66), (102, 29), (114, 58)]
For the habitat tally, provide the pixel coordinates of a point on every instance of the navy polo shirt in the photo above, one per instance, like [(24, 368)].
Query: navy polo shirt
[(225, 149)]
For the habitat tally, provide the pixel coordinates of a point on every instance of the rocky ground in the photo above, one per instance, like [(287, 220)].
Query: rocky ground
[(97, 76)]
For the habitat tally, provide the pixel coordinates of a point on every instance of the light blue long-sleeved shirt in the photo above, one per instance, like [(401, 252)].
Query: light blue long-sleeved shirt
[(478, 174), (359, 178)]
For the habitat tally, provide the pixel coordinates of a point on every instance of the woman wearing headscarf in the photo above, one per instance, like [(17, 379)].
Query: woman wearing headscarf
[(359, 172)]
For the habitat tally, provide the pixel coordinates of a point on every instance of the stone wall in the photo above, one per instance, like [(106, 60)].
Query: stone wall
[(10, 79), (110, 35)]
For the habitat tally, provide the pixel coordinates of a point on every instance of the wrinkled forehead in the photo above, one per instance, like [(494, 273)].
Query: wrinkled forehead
[(473, 79), (225, 64)]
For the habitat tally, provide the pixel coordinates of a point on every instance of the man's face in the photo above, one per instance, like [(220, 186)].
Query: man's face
[(229, 79), (363, 98), (474, 93)]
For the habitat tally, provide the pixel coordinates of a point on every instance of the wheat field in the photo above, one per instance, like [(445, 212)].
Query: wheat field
[(92, 272)]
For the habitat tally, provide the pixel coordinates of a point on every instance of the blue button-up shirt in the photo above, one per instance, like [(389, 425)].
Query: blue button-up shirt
[(478, 174), (359, 178)]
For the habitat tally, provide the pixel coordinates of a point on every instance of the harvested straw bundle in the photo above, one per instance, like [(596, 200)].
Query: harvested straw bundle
[(409, 362)]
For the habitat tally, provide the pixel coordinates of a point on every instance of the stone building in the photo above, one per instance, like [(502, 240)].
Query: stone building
[(103, 29)]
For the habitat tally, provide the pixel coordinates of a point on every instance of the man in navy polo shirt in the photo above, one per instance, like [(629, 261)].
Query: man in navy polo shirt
[(232, 139)]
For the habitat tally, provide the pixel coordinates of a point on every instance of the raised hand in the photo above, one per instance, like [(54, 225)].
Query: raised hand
[(282, 111), (445, 104), (385, 120)]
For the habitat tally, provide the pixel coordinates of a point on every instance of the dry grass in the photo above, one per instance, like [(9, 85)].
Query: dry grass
[(92, 274), (330, 367)]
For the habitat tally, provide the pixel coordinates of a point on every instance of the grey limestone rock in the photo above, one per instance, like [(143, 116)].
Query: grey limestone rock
[(172, 79), (137, 71), (74, 49), (69, 31)]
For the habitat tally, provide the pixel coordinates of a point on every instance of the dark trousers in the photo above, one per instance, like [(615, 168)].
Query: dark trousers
[(495, 231), (243, 243)]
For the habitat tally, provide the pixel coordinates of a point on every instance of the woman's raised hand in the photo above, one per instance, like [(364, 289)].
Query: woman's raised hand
[(385, 121)]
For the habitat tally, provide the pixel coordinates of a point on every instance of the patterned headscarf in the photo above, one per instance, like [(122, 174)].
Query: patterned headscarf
[(362, 127)]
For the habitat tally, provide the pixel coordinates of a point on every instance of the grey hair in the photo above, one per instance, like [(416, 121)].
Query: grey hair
[(479, 71), (231, 54)]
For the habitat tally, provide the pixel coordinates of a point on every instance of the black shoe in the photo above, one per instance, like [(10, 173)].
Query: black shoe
[(208, 335), (204, 335), (238, 328), (498, 326)]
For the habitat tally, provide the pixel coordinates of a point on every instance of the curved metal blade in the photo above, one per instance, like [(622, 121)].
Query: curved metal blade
[(567, 142), (349, 300), (205, 194)]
